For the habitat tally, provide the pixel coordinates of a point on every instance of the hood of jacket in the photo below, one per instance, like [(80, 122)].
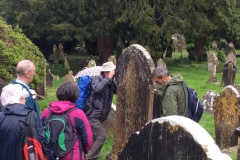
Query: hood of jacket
[(177, 78), (60, 107)]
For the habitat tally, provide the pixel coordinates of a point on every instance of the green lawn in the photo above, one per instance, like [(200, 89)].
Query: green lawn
[(195, 75)]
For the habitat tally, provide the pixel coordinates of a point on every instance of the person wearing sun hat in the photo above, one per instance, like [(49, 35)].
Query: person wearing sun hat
[(98, 105)]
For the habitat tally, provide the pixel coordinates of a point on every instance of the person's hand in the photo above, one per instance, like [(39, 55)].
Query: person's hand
[(111, 74)]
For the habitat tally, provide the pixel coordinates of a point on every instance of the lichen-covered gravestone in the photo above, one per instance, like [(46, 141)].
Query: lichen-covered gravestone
[(171, 138), (207, 101), (134, 93), (226, 116)]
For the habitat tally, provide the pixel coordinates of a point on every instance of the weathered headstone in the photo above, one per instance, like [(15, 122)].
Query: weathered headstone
[(112, 59), (169, 51), (54, 48), (171, 138), (179, 48), (49, 78), (56, 57), (214, 45), (207, 101), (161, 63), (69, 77), (66, 64), (230, 50), (110, 123), (231, 57), (226, 117), (229, 74), (91, 63), (134, 93), (212, 63), (61, 52)]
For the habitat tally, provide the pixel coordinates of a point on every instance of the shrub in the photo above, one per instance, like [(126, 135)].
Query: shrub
[(14, 47), (221, 56)]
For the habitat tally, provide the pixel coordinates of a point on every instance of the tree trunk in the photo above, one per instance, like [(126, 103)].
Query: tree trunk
[(105, 47), (198, 46)]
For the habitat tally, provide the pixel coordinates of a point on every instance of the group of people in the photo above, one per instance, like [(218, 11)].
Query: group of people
[(17, 102)]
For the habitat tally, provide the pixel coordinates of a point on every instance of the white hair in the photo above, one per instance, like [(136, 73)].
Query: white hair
[(12, 93)]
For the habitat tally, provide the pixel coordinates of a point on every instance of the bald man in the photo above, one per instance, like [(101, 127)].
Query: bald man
[(25, 72)]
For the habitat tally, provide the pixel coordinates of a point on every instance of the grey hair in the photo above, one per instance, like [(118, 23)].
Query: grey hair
[(23, 66), (12, 93), (159, 72)]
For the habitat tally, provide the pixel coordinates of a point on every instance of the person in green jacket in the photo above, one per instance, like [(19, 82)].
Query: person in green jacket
[(174, 95)]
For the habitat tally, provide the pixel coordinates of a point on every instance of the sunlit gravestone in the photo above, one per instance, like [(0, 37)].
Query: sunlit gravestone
[(226, 116), (134, 94), (171, 138)]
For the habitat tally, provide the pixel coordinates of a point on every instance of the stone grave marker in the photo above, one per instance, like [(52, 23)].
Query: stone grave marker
[(61, 52), (179, 48), (112, 59), (226, 116), (161, 63), (212, 63), (169, 51), (214, 45), (69, 77), (237, 86), (134, 93), (171, 138), (91, 63), (231, 57), (49, 78), (231, 44), (66, 64), (229, 49), (56, 57), (207, 101), (229, 74)]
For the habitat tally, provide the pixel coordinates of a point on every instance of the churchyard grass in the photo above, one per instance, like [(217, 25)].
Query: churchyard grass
[(195, 75)]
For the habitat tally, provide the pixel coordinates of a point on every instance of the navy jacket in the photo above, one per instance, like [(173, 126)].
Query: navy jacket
[(99, 101), (10, 130)]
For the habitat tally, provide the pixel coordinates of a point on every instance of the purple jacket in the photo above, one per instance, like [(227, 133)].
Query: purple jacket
[(80, 123)]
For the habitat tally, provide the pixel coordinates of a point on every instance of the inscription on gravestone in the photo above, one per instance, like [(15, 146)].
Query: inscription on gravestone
[(226, 115), (134, 97)]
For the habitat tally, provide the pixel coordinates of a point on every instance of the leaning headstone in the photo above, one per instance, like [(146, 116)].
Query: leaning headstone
[(134, 93), (169, 51), (91, 63), (171, 138), (49, 78), (229, 74), (212, 63), (112, 59), (207, 101), (231, 57), (69, 77), (161, 63), (226, 117)]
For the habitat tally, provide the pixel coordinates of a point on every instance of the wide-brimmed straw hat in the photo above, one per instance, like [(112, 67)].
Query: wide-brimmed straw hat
[(108, 66)]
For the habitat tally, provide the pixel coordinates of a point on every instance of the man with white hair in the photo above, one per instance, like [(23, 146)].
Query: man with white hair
[(98, 105), (25, 72)]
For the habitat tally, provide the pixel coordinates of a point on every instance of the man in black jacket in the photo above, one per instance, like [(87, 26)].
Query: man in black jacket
[(98, 106)]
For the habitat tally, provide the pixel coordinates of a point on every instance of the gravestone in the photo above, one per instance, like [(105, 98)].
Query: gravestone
[(237, 86), (231, 44), (69, 77), (110, 123), (226, 116), (179, 48), (171, 138), (49, 78), (229, 49), (229, 74), (66, 64), (91, 63), (169, 51), (61, 52), (134, 93), (214, 45), (54, 48), (207, 101), (212, 63), (161, 63), (231, 57), (112, 59), (56, 57)]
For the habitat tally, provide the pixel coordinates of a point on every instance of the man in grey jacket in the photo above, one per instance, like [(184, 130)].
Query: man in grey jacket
[(98, 106), (174, 95)]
